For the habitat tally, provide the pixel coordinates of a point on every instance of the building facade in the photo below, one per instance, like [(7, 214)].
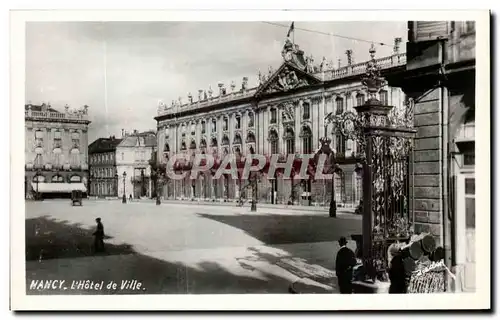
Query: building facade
[(55, 150), (133, 156), (102, 169), (440, 78), (284, 114)]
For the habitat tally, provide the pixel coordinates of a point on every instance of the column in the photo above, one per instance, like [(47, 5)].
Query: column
[(298, 128)]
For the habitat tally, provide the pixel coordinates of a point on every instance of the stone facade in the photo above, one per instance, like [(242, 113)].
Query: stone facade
[(440, 78), (103, 172), (133, 155), (284, 114), (55, 146)]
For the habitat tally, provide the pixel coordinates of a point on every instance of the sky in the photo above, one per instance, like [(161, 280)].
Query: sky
[(122, 69)]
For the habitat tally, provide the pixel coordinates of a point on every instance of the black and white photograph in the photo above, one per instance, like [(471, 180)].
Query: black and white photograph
[(282, 156)]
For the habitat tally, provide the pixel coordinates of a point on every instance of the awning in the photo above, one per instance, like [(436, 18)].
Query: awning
[(44, 187)]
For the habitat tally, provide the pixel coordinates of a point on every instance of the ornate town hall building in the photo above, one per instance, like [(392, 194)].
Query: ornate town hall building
[(284, 114)]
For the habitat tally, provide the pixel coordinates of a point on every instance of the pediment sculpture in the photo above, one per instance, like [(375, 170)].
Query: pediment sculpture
[(287, 80)]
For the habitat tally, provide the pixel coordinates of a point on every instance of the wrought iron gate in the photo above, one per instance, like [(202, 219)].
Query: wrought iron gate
[(384, 137)]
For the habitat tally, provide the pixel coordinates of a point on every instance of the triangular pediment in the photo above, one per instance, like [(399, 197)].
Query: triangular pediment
[(288, 77)]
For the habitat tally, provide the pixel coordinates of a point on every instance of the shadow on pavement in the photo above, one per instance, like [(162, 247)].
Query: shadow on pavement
[(48, 238), (68, 255), (287, 229), (156, 276)]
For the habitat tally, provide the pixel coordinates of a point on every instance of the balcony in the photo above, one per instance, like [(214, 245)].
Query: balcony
[(48, 115)]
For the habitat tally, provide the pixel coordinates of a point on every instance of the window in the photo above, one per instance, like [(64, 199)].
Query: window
[(225, 141), (183, 129), (74, 158), (193, 128), (469, 159), (290, 141), (39, 138), (340, 105), (340, 144), (250, 119), (57, 139), (225, 124), (273, 115), (273, 140), (57, 157), (360, 99), (384, 97), (470, 202), (237, 139), (470, 26), (306, 108), (75, 139), (307, 140), (238, 122), (203, 126), (123, 156), (214, 125)]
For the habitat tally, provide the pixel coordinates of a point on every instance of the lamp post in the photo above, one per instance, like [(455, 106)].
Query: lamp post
[(116, 184), (124, 198), (143, 192)]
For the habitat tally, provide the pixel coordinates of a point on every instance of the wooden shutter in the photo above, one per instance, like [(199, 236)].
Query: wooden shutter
[(430, 30)]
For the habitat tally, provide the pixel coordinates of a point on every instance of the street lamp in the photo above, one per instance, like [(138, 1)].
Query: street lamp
[(124, 198), (116, 184)]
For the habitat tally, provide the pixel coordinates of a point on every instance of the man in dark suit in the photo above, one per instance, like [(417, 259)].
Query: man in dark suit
[(99, 236), (344, 263)]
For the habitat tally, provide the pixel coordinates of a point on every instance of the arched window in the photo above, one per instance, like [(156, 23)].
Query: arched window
[(57, 179), (360, 99), (307, 140), (225, 140), (166, 148), (250, 138), (213, 142), (214, 125), (306, 111), (192, 146), (273, 140), (203, 126), (290, 141), (237, 139), (203, 143), (39, 178)]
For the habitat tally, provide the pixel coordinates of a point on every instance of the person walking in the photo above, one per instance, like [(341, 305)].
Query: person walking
[(99, 236), (344, 264)]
